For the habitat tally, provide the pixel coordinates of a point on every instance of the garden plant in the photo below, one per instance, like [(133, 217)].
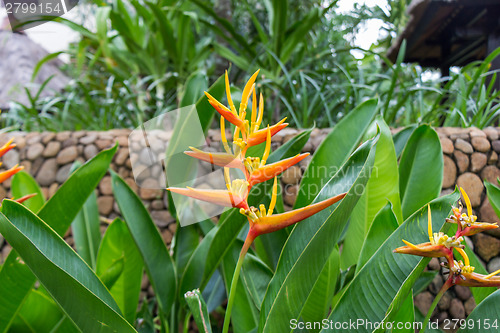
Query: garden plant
[(363, 191)]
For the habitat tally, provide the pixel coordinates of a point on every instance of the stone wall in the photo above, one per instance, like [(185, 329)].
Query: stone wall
[(470, 155)]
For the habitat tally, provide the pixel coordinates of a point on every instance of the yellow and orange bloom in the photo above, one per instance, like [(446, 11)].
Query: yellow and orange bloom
[(9, 173), (247, 134), (467, 223), (266, 172), (6, 147), (439, 245)]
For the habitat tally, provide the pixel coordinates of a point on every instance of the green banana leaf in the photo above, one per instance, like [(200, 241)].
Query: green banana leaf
[(311, 243), (118, 245), (334, 151), (15, 281), (385, 281), (69, 280)]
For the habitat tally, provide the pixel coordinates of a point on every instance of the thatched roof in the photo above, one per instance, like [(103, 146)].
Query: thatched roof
[(18, 57), (449, 33)]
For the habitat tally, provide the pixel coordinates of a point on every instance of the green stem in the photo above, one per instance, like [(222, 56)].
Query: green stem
[(234, 282), (440, 294)]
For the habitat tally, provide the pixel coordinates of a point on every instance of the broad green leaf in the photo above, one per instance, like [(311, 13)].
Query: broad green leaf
[(255, 275), (194, 87), (118, 245), (23, 184), (245, 315), (334, 151), (383, 226), (311, 243), (384, 282), (318, 303), (420, 170), (401, 138), (38, 314), (86, 231), (59, 212), (199, 310), (68, 279), (157, 260), (484, 318), (383, 186), (493, 193), (405, 316)]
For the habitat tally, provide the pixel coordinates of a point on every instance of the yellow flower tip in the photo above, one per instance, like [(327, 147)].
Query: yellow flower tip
[(467, 201), (429, 224), (464, 255), (489, 276), (410, 245)]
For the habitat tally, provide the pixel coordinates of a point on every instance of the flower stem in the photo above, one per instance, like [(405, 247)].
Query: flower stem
[(234, 282), (440, 294)]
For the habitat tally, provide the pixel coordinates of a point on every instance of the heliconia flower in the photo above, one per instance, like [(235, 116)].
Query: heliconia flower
[(225, 112), (6, 147), (260, 136), (236, 197), (219, 159), (9, 173), (266, 172), (263, 222), (439, 245), (462, 273), (467, 225)]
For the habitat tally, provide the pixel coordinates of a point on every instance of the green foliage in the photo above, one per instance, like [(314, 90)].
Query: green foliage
[(306, 273)]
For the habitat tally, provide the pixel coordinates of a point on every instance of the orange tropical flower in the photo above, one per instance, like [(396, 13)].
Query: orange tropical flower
[(9, 173), (6, 147), (263, 221), (467, 223), (439, 245)]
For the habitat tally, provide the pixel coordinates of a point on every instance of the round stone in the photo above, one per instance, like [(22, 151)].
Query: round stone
[(477, 161), (292, 175), (457, 310), (486, 246), (481, 144), (444, 302), (463, 292), (462, 161), (90, 151), (63, 173), (290, 194), (464, 146), (47, 173), (447, 145), (494, 265), (469, 305), (105, 204), (473, 185), (449, 172), (490, 173), (11, 158), (105, 186), (423, 301), (67, 155), (491, 133), (52, 149), (34, 151)]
